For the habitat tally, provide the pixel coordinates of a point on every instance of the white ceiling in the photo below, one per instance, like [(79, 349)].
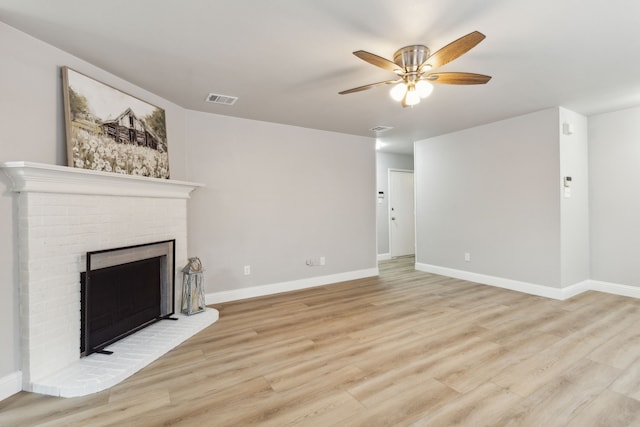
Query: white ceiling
[(287, 59)]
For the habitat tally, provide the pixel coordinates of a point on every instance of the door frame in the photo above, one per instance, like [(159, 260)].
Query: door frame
[(389, 171)]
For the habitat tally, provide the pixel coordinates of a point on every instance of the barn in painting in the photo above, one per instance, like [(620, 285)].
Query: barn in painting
[(128, 129)]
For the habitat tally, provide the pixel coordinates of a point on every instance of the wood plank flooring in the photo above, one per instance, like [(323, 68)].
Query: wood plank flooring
[(404, 349)]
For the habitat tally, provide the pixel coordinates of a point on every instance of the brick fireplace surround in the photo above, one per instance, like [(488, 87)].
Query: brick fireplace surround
[(60, 214)]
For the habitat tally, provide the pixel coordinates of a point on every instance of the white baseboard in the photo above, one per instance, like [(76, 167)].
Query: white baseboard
[(384, 257), (615, 288), (276, 288), (514, 285), (500, 282), (10, 384)]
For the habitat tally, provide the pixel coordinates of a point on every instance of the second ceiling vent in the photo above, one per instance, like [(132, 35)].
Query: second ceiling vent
[(380, 129)]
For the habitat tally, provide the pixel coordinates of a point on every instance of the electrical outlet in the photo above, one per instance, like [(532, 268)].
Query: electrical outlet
[(247, 270), (314, 262), (467, 256)]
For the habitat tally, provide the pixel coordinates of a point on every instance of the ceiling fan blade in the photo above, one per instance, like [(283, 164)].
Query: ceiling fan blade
[(457, 78), (369, 86), (454, 49), (376, 60)]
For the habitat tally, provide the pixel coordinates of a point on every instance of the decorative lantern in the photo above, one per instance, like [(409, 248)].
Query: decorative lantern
[(192, 288)]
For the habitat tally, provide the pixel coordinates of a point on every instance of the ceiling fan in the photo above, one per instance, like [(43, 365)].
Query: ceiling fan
[(412, 65)]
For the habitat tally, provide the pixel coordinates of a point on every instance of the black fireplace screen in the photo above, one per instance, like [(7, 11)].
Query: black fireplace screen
[(119, 298)]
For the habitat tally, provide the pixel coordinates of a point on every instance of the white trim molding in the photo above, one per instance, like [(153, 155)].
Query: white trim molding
[(10, 385), (384, 257), (44, 178), (615, 288), (294, 285), (514, 285)]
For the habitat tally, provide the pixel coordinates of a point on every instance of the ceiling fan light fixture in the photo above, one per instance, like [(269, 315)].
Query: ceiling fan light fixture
[(412, 97), (413, 64), (424, 89), (398, 91)]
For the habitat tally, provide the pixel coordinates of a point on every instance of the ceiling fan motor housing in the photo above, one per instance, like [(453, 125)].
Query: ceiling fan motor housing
[(409, 58)]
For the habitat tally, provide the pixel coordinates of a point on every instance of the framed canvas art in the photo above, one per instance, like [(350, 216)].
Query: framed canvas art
[(111, 131)]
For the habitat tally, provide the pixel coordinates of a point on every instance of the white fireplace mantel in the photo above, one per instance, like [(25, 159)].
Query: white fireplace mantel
[(45, 178), (61, 213)]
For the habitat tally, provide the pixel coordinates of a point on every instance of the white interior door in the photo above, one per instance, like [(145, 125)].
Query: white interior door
[(401, 213)]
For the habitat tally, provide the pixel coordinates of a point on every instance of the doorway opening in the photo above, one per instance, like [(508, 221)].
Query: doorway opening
[(402, 239)]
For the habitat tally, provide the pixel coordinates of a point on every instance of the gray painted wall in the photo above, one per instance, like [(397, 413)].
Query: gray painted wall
[(384, 162), (492, 191), (574, 210), (614, 168), (277, 195)]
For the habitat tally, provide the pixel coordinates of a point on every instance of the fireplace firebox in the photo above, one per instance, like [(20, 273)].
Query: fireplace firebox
[(124, 290)]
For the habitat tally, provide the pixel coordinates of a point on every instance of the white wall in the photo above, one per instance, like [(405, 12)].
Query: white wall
[(384, 162), (574, 213), (614, 198), (32, 129), (492, 191), (275, 196)]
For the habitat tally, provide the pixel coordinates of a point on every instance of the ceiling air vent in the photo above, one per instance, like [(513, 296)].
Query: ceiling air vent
[(221, 99), (380, 129)]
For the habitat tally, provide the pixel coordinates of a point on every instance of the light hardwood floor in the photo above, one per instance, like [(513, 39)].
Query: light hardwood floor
[(403, 349)]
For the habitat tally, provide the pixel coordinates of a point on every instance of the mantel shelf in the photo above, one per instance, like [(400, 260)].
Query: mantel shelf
[(44, 178)]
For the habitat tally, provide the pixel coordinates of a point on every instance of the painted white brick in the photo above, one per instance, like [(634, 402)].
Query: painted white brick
[(54, 233)]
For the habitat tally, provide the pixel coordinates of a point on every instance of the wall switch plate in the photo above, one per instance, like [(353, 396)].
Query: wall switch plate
[(247, 270), (568, 128), (467, 256), (322, 260)]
